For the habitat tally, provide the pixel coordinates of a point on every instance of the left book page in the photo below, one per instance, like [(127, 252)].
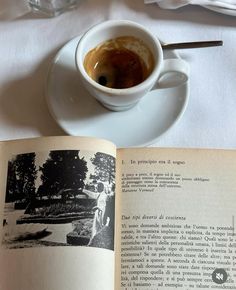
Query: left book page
[(57, 202)]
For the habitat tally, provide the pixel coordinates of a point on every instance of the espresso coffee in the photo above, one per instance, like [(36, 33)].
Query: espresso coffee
[(119, 63)]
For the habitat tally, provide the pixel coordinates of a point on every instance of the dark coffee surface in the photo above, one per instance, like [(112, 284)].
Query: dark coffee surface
[(113, 65)]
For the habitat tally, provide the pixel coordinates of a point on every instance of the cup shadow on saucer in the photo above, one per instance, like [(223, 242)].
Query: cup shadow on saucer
[(82, 104), (87, 105)]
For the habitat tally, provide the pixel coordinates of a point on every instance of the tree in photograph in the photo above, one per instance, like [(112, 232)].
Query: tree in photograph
[(26, 174), (63, 174), (104, 167), (21, 178), (12, 189)]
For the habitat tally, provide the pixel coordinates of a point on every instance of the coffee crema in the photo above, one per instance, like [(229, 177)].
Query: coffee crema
[(119, 63)]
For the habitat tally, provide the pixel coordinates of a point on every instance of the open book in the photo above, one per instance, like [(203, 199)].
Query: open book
[(78, 213)]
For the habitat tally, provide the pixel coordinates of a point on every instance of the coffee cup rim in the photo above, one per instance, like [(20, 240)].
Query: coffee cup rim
[(111, 23)]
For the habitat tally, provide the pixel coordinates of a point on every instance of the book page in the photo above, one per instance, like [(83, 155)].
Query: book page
[(177, 219), (57, 214)]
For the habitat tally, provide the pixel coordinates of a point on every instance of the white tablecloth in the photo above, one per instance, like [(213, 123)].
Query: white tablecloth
[(29, 43)]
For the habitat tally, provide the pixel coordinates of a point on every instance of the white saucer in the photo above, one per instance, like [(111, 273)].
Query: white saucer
[(226, 11), (80, 114)]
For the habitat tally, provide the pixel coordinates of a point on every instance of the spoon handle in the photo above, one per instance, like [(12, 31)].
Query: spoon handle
[(197, 44)]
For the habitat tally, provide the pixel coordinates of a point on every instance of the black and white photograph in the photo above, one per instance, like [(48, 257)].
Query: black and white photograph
[(60, 198)]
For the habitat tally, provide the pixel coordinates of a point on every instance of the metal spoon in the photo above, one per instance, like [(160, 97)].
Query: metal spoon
[(196, 44)]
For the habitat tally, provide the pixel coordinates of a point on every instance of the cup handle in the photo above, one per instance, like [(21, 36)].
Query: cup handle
[(174, 72)]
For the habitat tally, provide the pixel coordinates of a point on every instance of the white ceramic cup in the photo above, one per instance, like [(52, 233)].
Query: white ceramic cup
[(124, 99)]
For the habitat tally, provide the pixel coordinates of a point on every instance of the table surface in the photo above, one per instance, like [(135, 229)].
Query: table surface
[(29, 43)]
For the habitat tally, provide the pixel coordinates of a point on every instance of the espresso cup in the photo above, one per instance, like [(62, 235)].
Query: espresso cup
[(147, 50)]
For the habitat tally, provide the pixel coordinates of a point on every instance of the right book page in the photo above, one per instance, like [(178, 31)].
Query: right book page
[(177, 217)]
